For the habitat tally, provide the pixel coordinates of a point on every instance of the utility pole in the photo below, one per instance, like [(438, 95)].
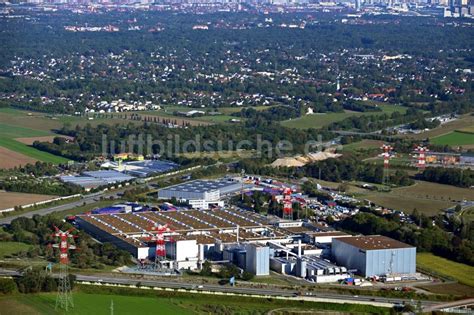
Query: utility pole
[(242, 174), (64, 296)]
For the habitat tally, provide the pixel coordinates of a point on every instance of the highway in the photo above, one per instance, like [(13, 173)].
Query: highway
[(243, 290)]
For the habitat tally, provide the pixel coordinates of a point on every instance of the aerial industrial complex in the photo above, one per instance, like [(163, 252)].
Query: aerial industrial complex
[(210, 230)]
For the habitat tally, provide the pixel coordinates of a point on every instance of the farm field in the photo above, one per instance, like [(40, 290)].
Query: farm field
[(12, 199), (28, 151), (31, 140), (48, 123), (426, 197), (19, 129), (461, 272), (324, 119), (10, 159), (455, 138)]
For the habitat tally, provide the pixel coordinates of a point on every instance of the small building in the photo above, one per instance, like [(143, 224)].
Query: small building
[(374, 255)]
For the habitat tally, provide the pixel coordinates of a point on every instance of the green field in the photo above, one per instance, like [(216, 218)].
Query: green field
[(30, 151), (461, 272), (9, 248), (454, 138), (96, 304), (97, 301), (362, 145), (324, 119), (428, 198), (12, 131)]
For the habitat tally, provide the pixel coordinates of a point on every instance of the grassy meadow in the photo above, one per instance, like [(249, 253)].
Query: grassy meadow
[(461, 272), (455, 138), (98, 301), (323, 119), (428, 198)]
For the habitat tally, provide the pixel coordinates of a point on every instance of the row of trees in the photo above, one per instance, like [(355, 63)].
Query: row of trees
[(449, 176), (32, 281), (40, 186)]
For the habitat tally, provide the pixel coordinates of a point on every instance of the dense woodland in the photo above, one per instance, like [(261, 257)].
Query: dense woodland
[(259, 134)]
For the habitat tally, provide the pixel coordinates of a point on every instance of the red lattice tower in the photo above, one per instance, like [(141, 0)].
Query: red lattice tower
[(287, 204), (64, 297), (387, 149), (160, 240), (421, 156)]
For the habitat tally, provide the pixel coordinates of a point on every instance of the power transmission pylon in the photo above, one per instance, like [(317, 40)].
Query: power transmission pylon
[(64, 297), (287, 204), (421, 157), (160, 243), (386, 163)]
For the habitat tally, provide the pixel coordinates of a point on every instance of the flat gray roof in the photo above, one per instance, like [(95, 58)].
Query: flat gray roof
[(373, 242), (202, 186)]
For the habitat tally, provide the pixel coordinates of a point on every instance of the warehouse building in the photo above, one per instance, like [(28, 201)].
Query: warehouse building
[(141, 168), (94, 179), (195, 235), (201, 194), (374, 255)]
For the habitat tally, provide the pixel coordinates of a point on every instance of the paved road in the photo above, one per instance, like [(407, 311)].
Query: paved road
[(316, 296), (67, 206)]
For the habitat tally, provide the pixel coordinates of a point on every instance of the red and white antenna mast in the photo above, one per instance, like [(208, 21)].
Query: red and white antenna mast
[(64, 297), (160, 242), (421, 156), (287, 204), (387, 149)]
